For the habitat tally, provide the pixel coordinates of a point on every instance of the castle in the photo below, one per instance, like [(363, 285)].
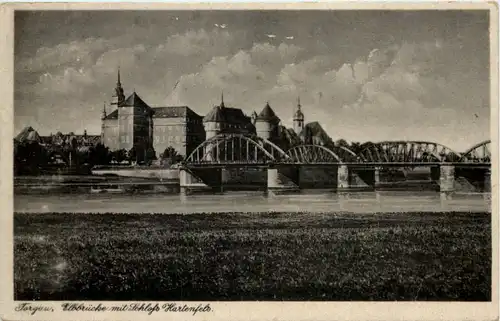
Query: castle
[(135, 124)]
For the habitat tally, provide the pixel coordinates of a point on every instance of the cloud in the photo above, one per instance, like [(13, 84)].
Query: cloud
[(70, 81), (75, 52), (241, 76), (195, 42), (409, 83), (391, 92)]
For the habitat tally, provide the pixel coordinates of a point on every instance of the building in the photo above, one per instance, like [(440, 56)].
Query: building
[(311, 133), (134, 124), (298, 118), (227, 120), (267, 123)]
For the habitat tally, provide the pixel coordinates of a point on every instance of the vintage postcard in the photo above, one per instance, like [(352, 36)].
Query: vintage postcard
[(328, 161)]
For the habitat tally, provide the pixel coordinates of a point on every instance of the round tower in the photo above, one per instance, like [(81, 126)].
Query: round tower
[(266, 123), (298, 118), (213, 122)]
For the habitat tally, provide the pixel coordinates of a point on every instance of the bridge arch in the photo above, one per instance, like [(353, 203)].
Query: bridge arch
[(408, 152), (479, 153), (314, 154), (236, 148)]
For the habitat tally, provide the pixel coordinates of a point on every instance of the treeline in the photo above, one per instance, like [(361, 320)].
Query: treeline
[(356, 147), (31, 157)]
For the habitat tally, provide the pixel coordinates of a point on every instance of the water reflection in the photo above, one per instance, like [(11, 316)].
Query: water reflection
[(312, 201)]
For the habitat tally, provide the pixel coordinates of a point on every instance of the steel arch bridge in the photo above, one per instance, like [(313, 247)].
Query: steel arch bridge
[(240, 149), (479, 153), (318, 154), (407, 152), (237, 149)]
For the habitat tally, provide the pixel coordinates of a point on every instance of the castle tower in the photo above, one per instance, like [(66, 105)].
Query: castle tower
[(266, 123), (214, 120), (118, 97), (298, 118)]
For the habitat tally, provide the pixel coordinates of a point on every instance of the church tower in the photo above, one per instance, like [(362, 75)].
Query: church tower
[(298, 118), (118, 97)]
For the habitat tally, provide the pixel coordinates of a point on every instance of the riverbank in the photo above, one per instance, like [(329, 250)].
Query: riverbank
[(259, 256)]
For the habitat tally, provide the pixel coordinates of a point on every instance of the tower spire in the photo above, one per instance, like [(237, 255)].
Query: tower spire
[(222, 99), (118, 83), (119, 96), (104, 110), (298, 102)]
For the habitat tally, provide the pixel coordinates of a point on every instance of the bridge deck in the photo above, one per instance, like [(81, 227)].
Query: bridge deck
[(352, 165)]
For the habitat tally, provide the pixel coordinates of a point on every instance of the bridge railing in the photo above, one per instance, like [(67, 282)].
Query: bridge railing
[(242, 149)]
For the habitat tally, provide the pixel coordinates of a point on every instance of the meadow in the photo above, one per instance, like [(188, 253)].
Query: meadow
[(253, 256)]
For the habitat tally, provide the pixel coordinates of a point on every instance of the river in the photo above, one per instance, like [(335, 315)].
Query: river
[(316, 201)]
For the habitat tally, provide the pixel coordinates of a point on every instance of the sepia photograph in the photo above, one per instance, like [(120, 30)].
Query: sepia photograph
[(259, 154)]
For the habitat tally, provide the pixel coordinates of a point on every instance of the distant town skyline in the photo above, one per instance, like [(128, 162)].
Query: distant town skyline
[(363, 75)]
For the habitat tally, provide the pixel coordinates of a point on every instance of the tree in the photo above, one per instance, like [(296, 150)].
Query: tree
[(169, 153), (132, 155), (119, 155), (150, 155), (29, 157), (341, 143), (356, 147), (100, 155), (170, 156)]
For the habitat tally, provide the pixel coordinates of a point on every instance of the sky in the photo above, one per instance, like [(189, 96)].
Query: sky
[(363, 75)]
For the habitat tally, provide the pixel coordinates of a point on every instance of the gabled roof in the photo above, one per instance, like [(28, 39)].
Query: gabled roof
[(267, 114), (134, 101), (227, 115), (112, 115), (163, 112), (313, 133), (214, 116), (173, 112), (289, 135), (81, 140), (28, 134)]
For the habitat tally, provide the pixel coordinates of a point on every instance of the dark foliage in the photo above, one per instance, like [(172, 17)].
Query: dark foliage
[(132, 155), (119, 155), (29, 157), (151, 154), (100, 155)]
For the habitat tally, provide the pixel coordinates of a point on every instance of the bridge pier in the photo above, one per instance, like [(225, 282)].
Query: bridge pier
[(376, 177), (446, 178), (282, 179), (342, 177), (200, 179), (435, 173), (368, 178), (487, 181)]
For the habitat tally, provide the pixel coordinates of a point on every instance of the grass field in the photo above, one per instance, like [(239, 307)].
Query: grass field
[(271, 256)]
